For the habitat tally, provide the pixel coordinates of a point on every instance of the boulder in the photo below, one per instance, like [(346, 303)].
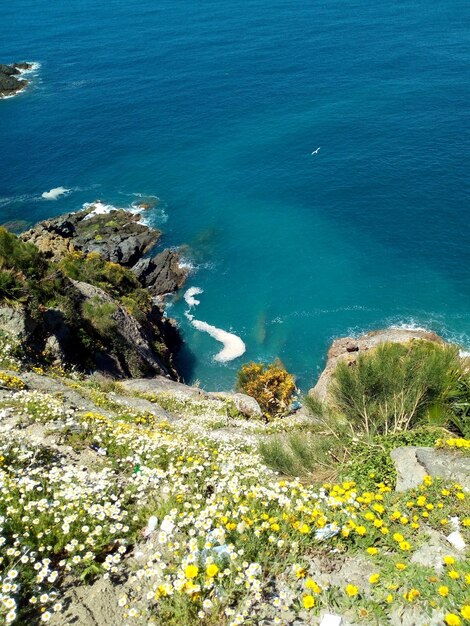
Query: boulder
[(246, 405), (348, 349), (413, 463), (90, 605)]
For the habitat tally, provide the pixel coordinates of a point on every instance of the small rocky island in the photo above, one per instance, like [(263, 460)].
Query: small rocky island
[(10, 78)]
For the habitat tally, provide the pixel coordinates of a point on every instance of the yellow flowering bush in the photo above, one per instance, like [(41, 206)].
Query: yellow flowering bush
[(271, 385)]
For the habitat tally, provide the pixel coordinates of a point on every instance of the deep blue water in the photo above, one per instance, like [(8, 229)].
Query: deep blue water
[(215, 107)]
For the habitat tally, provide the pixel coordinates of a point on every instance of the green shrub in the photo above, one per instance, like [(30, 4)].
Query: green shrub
[(100, 314), (370, 461), (396, 387), (271, 385), (93, 269), (459, 405)]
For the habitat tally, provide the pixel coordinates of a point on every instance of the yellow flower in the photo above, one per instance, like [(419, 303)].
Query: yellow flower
[(412, 595), (449, 560), (404, 545), (212, 570), (460, 495), (400, 566), (361, 530), (389, 598), (351, 590), (374, 578), (312, 585), (465, 611), (191, 571), (372, 551), (443, 591), (304, 529), (453, 574), (300, 572), (398, 537), (309, 602), (451, 619)]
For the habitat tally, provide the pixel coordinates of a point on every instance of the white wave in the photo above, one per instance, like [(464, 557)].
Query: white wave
[(34, 67), (189, 296), (55, 193), (410, 326), (100, 208), (233, 345), (186, 265)]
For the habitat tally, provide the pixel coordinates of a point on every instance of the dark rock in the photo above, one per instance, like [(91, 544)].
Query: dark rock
[(161, 274), (116, 236), (8, 70), (9, 81), (22, 66), (136, 349)]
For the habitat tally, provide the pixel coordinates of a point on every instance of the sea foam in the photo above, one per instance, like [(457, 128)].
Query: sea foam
[(55, 193), (100, 208), (233, 345)]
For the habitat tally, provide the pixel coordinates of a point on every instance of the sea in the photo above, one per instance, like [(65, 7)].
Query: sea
[(210, 110)]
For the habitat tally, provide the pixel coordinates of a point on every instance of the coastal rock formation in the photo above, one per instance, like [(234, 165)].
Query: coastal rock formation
[(10, 83), (118, 237), (348, 348), (161, 274)]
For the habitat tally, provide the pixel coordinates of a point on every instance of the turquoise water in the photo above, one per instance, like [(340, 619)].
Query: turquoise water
[(215, 107)]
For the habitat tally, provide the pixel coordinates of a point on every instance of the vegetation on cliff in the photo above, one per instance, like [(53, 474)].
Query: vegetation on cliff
[(76, 325), (395, 395)]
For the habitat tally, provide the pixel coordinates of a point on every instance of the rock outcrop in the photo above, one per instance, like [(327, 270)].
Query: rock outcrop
[(161, 274), (10, 81), (414, 463), (348, 349), (118, 237)]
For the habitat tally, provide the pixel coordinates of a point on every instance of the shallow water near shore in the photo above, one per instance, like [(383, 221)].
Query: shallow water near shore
[(215, 108)]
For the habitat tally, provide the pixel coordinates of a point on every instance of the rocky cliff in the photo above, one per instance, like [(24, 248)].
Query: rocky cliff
[(79, 291)]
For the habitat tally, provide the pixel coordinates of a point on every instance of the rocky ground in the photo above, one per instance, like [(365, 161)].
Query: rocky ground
[(10, 81)]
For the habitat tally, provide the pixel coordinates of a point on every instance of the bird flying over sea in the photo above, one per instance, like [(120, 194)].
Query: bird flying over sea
[(316, 151)]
